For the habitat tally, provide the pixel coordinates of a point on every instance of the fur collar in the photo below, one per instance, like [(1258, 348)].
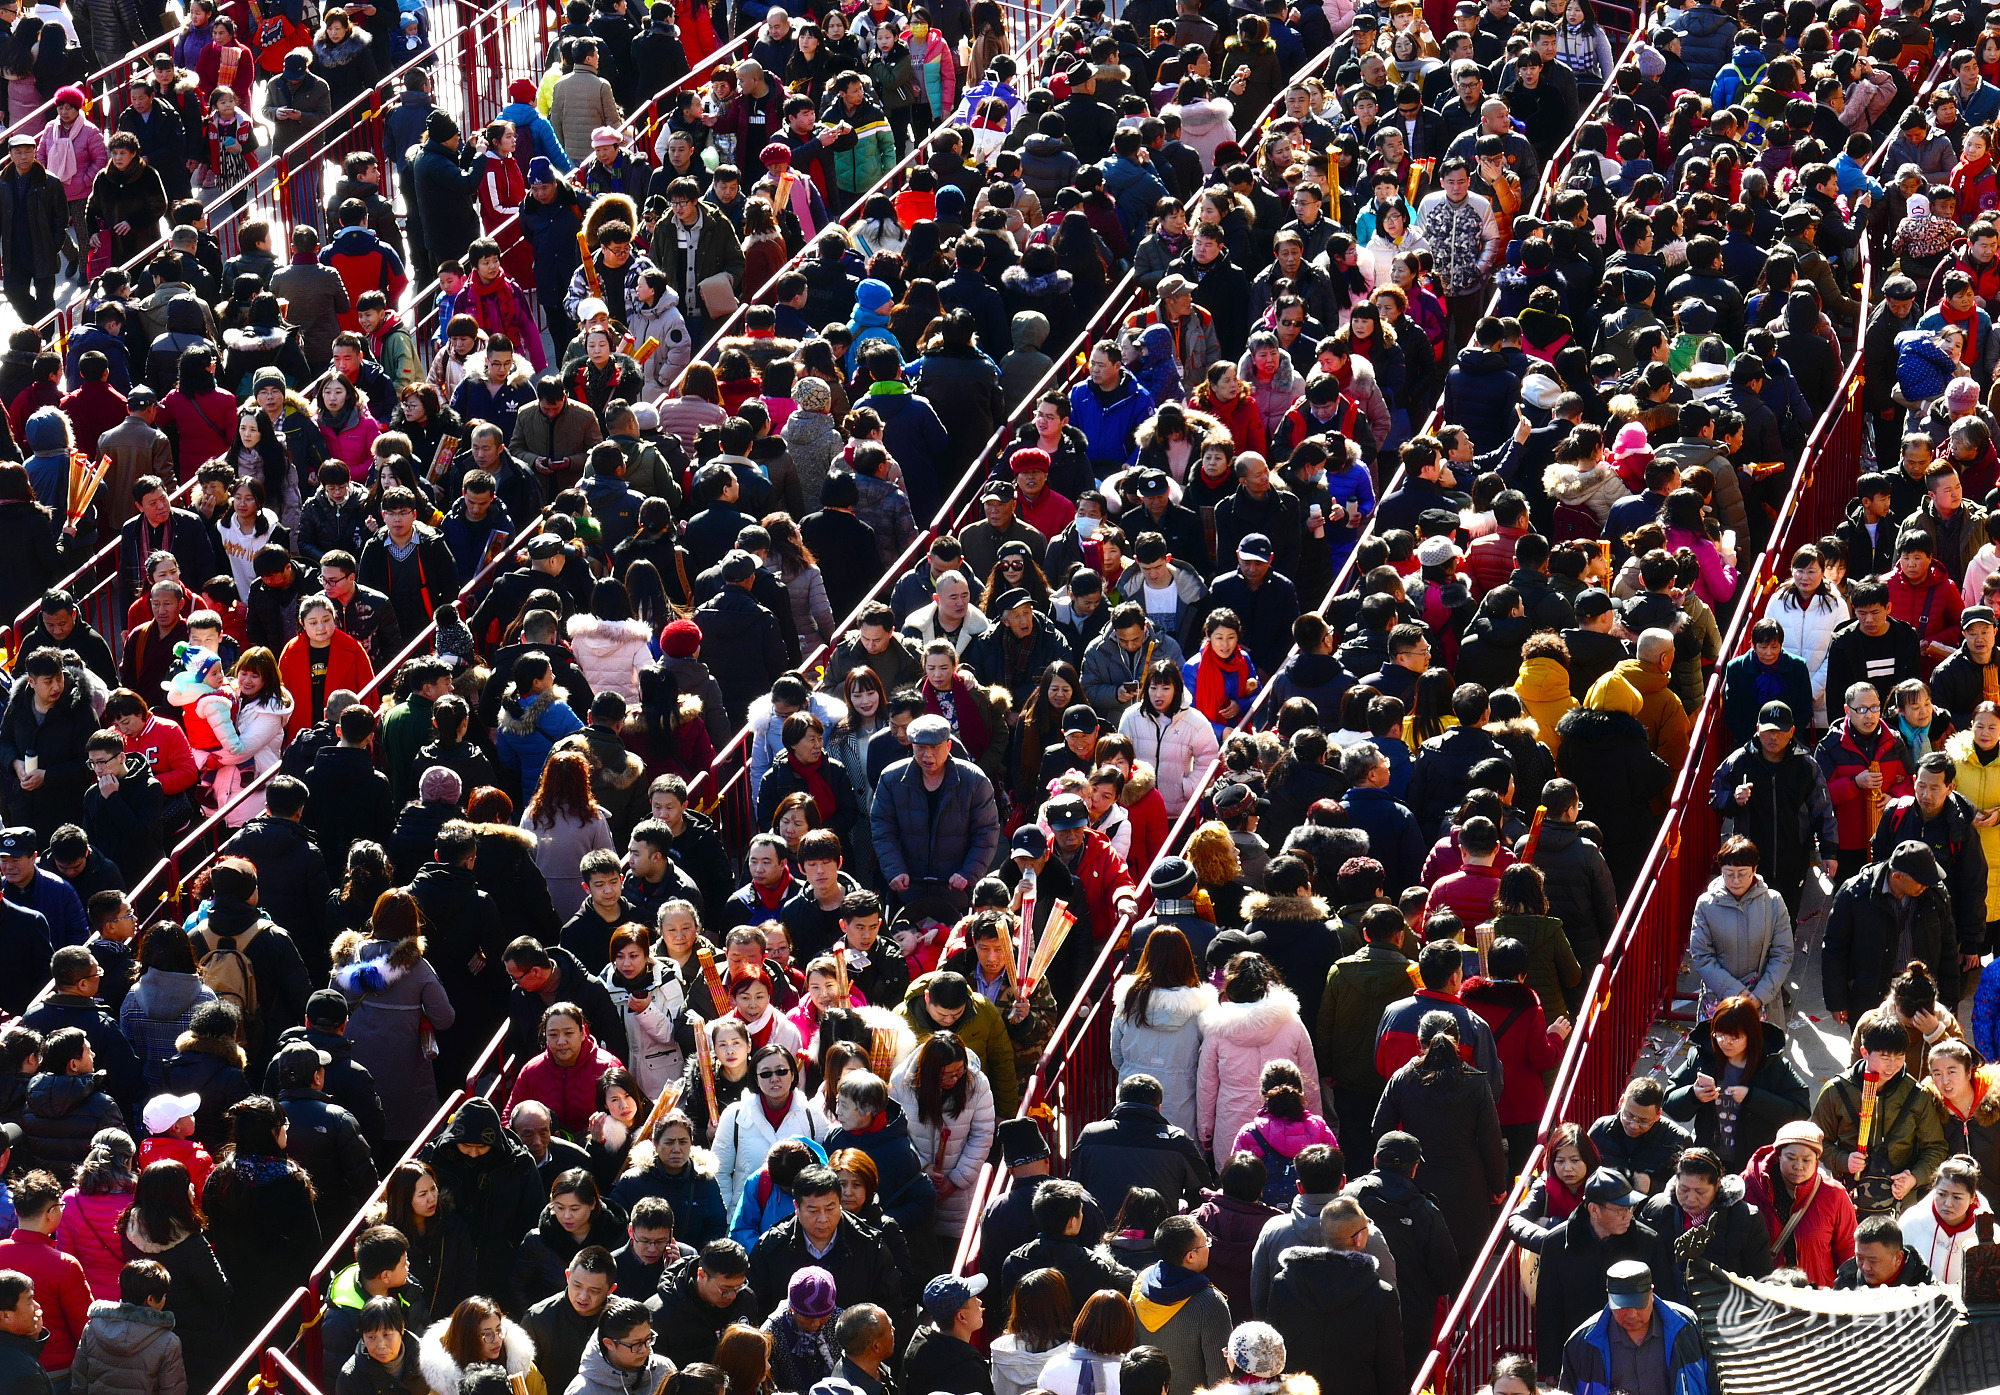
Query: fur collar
[(519, 719), (223, 1050), (1296, 910), (508, 833), (1252, 1024), (132, 1235), (362, 965), (442, 1374), (644, 1156), (1139, 786), (595, 748)]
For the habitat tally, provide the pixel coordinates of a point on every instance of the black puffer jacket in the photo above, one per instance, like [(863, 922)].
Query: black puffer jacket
[(545, 1252), (1444, 772), (1739, 1244), (1427, 1262), (1580, 891), (292, 880), (1611, 762), (685, 1326), (500, 1194), (415, 840), (348, 1083), (197, 1296), (326, 1141), (212, 1067), (64, 1113), (265, 1233), (1341, 1323)]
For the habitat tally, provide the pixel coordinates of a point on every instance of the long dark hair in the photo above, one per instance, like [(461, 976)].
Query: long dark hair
[(163, 1205), (1166, 961), (937, 1051)]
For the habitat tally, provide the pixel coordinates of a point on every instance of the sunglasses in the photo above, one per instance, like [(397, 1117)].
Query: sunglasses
[(774, 1075)]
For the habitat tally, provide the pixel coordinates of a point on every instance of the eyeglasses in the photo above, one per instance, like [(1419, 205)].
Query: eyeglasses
[(1864, 711), (632, 1343)]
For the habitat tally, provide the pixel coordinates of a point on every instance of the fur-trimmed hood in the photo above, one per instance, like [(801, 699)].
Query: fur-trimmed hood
[(128, 1229), (252, 339), (588, 632), (610, 208), (1252, 1024), (443, 1374), (1142, 783), (1294, 910), (644, 1156), (362, 965), (1169, 1009), (507, 832), (222, 1048), (1200, 427), (520, 719), (606, 752)]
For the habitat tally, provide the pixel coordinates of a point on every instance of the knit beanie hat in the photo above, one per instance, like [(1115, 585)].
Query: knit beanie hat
[(438, 784), (439, 126), (680, 639), (1256, 1350), (950, 204), (812, 395), (874, 296)]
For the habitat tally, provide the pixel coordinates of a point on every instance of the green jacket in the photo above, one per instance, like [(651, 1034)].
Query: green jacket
[(1358, 988), (1552, 964), (863, 158), (1915, 1135), (982, 1030), (406, 729)]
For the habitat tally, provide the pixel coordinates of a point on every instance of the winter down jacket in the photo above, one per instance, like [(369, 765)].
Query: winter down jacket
[(744, 1135), (1742, 945), (959, 1150), (1238, 1040), (1180, 748), (1809, 634), (610, 653), (1167, 1046)]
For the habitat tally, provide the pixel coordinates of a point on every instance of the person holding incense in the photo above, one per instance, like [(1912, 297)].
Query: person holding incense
[(1884, 1134)]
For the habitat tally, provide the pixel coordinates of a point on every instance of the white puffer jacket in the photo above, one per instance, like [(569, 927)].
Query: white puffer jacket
[(744, 1135), (1809, 634), (649, 1032), (261, 729), (1179, 747), (1167, 1047), (967, 1136), (611, 653)]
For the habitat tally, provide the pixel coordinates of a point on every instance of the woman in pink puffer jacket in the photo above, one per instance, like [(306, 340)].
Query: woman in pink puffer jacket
[(91, 1210), (1256, 1023)]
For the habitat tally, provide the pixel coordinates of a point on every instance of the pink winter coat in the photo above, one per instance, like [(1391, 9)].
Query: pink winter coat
[(90, 155), (1717, 582), (1237, 1041), (89, 1231), (1285, 1137), (355, 446)]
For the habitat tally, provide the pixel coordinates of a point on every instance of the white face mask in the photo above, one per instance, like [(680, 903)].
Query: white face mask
[(1086, 527)]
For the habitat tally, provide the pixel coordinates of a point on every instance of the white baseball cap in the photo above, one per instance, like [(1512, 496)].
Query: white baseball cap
[(164, 1111)]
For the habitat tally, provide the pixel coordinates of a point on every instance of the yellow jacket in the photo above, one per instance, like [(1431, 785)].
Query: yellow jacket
[(1543, 687), (1660, 711), (1980, 784)]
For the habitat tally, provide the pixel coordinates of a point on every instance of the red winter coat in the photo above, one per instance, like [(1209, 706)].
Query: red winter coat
[(60, 1288), (1491, 560), (1468, 892), (165, 747), (1931, 608), (1103, 874), (1150, 820), (347, 667), (89, 1230), (1824, 1239), (201, 428), (1527, 1048), (570, 1092), (1842, 755)]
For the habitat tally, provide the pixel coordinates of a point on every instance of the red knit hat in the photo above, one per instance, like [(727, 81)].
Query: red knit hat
[(680, 639), (521, 90)]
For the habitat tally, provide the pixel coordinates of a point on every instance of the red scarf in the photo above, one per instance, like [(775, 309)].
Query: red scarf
[(1561, 1200), (775, 1116), (1971, 1216), (816, 783), (1969, 321), (1210, 685)]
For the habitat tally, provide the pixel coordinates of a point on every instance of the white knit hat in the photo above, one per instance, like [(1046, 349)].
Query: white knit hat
[(1256, 1349)]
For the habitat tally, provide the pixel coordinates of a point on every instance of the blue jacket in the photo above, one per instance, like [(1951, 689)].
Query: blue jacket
[(615, 506), (1136, 188), (1393, 839), (917, 442), (526, 734), (110, 345), (763, 1204), (1707, 36), (1743, 72), (1110, 421), (868, 324), (1854, 177), (541, 135), (56, 900), (405, 126), (1587, 1356)]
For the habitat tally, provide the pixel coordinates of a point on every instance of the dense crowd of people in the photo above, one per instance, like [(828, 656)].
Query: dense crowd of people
[(443, 613)]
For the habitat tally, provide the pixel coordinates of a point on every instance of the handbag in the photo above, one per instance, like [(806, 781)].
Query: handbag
[(718, 296)]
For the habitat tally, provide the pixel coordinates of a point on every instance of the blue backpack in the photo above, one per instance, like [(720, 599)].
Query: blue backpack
[(1281, 1174)]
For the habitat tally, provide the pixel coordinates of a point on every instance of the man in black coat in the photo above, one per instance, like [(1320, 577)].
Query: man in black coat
[(1058, 1212), (1774, 794), (1900, 894), (552, 566), (350, 798), (1576, 1255), (346, 1081), (159, 527), (766, 587), (290, 870), (1263, 598), (121, 809), (1342, 1324), (1443, 771), (563, 1324), (849, 552), (489, 1179), (819, 1233), (1009, 1220), (740, 639), (74, 1003), (1427, 1260), (1940, 818), (322, 1137), (447, 188), (1137, 1147), (1221, 288), (1019, 648), (1578, 879), (697, 1301), (545, 977), (57, 625)]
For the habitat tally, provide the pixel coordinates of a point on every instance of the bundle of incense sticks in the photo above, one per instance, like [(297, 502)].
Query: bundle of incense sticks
[(589, 266), (646, 350), (663, 1106), (1534, 833), (442, 460), (704, 1055), (1871, 1085), (712, 977), (84, 478), (1060, 920), (1026, 939)]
